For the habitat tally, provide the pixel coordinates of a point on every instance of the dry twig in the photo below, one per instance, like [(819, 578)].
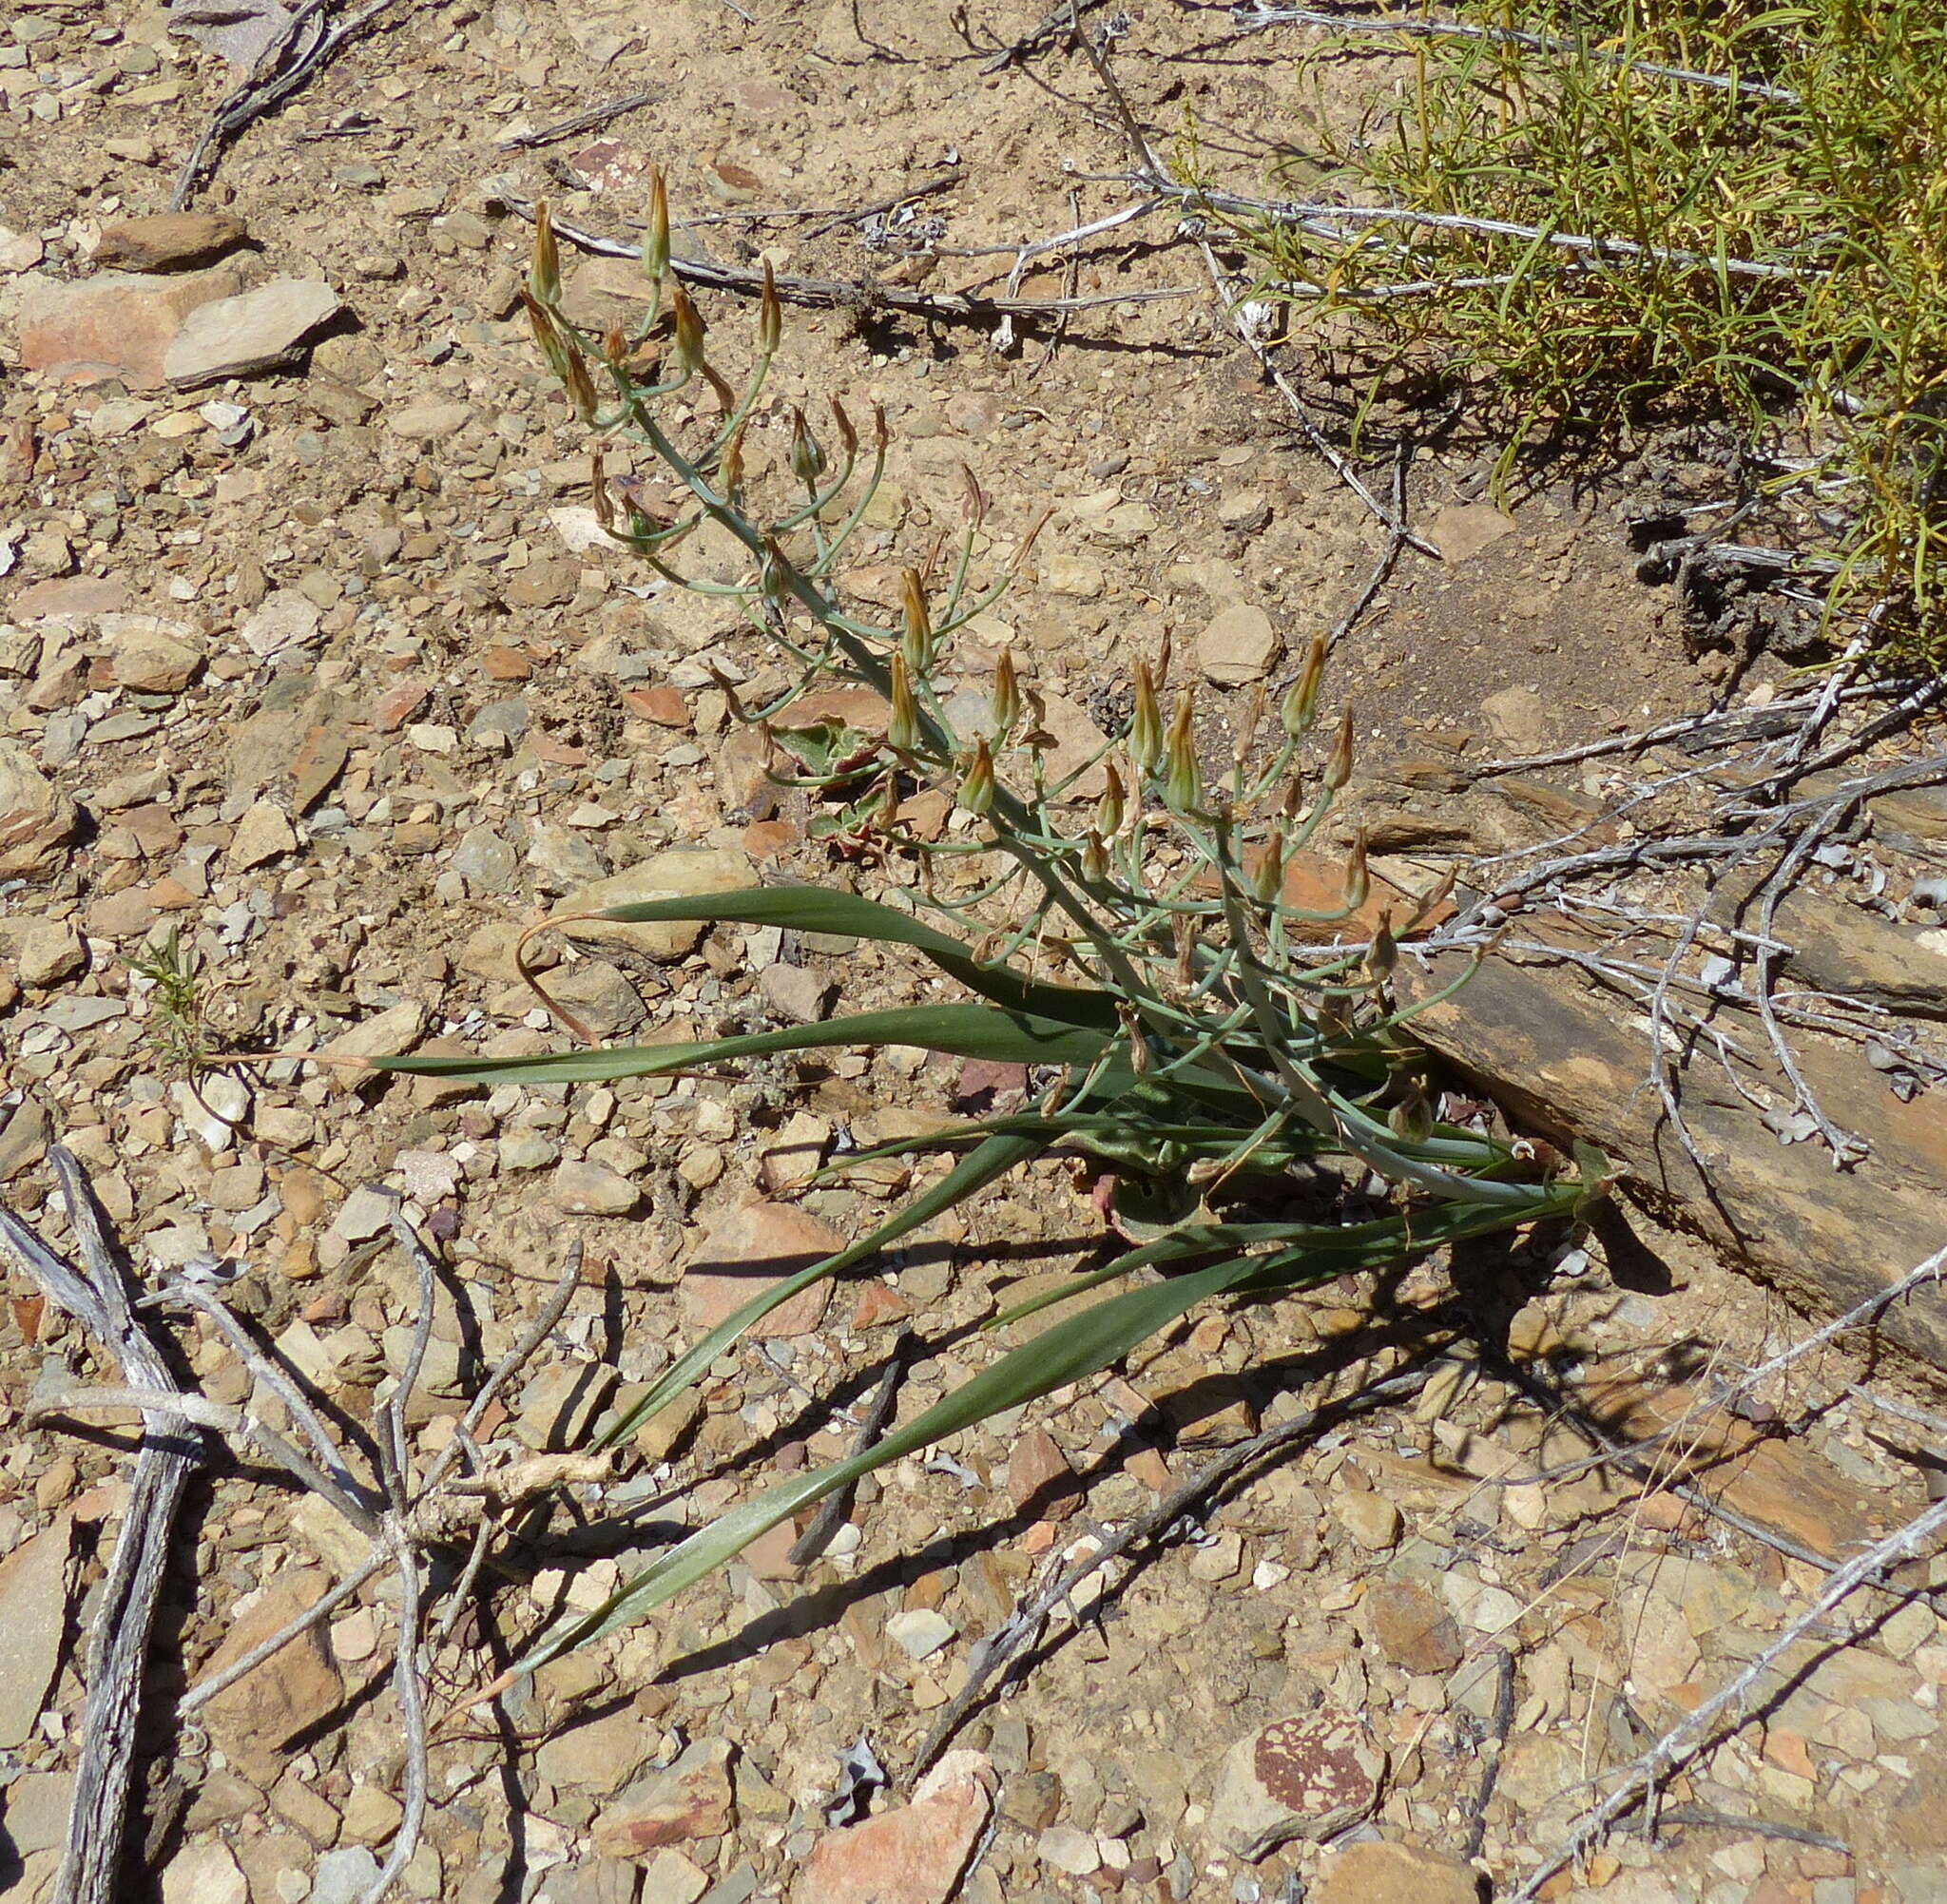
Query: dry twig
[(853, 295), (305, 45), (118, 1641), (1684, 1740), (399, 1516), (995, 1650), (584, 121)]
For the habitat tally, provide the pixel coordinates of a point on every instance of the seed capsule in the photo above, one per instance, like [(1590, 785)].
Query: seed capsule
[(807, 459)]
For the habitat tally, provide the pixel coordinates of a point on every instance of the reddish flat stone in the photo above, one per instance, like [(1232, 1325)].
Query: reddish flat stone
[(113, 324), (914, 1854), (748, 1251), (662, 704), (397, 705), (68, 597), (691, 1798)]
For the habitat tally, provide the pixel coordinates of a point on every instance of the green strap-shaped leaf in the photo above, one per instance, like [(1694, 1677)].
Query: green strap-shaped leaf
[(1069, 1352), (994, 1158), (816, 909), (965, 1030)]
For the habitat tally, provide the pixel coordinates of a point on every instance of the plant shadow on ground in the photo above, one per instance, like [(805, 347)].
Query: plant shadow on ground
[(1413, 1334)]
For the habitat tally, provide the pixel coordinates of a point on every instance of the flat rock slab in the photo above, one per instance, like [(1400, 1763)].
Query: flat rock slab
[(691, 1798), (914, 1853), (114, 324), (168, 241), (1562, 1059), (33, 1616), (745, 1253), (1395, 1873), (37, 820), (285, 1696), (260, 330), (683, 873)]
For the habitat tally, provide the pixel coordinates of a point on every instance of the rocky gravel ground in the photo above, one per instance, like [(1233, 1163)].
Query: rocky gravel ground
[(319, 684)]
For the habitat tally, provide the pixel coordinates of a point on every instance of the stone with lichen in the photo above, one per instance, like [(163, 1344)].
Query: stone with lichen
[(1309, 1775)]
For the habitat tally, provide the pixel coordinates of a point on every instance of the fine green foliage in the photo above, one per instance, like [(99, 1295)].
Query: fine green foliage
[(176, 1030), (1241, 1099), (1770, 248)]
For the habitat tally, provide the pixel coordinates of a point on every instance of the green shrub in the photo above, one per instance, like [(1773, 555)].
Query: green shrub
[(1770, 248)]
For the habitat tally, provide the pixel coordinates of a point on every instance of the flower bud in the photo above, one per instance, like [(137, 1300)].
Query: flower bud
[(1183, 784), (1268, 880), (904, 731), (770, 317), (1005, 709), (546, 336), (1358, 883), (581, 389), (544, 270), (1302, 702), (1095, 858), (1247, 728), (599, 498), (1383, 955), (730, 465), (689, 332), (976, 789), (1109, 809), (1145, 725), (656, 239), (848, 437), (1339, 767), (916, 644), (807, 459), (976, 497)]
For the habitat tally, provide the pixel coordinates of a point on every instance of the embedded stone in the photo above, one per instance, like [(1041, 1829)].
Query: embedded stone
[(683, 873), (745, 1252), (168, 240), (261, 330), (690, 1799), (913, 1853), (1238, 646), (37, 820), (1311, 1776), (1394, 1874)]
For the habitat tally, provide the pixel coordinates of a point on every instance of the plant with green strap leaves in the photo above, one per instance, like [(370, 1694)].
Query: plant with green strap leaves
[(1206, 1070)]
